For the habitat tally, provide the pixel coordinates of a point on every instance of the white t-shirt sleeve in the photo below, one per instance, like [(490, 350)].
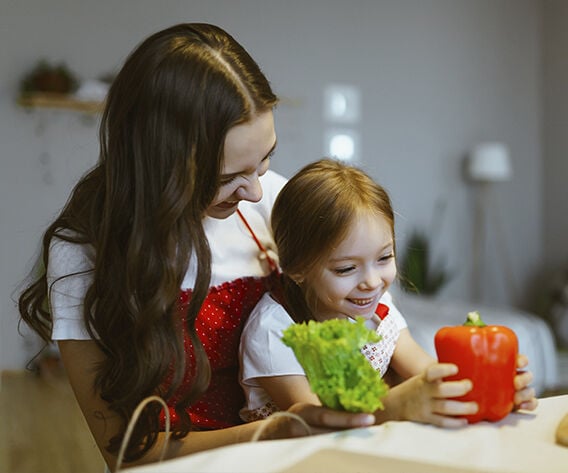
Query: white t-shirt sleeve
[(262, 351), (69, 276)]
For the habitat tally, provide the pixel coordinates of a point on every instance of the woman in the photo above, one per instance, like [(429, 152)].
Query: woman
[(148, 272)]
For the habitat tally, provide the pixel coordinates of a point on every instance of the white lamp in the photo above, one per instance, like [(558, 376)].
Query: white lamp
[(488, 163)]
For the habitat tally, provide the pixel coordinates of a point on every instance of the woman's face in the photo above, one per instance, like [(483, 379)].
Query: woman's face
[(248, 148), (357, 272)]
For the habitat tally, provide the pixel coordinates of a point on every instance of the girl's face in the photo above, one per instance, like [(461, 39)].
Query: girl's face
[(248, 148), (357, 273)]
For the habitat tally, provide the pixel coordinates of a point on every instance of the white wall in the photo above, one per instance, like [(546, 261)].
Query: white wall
[(555, 137), (436, 77)]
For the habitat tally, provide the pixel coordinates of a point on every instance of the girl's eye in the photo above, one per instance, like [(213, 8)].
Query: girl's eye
[(385, 258), (344, 270)]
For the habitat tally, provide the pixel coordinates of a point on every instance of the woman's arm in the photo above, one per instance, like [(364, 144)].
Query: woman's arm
[(80, 358)]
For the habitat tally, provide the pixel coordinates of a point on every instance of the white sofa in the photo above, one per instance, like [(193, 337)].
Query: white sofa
[(426, 315)]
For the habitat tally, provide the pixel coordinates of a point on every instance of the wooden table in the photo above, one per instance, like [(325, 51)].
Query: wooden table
[(522, 442)]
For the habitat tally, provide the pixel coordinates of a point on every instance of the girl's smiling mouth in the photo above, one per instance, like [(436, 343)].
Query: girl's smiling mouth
[(362, 302)]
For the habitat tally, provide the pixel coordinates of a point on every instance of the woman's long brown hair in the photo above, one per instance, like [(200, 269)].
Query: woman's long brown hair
[(311, 215), (141, 208)]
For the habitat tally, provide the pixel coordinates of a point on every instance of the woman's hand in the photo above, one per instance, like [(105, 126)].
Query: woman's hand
[(303, 419), (524, 395), (426, 398)]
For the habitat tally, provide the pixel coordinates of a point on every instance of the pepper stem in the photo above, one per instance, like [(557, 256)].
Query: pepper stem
[(474, 320)]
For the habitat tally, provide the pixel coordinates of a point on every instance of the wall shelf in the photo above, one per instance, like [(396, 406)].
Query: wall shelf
[(59, 101)]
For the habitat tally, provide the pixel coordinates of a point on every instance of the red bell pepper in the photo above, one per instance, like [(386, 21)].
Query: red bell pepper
[(486, 355)]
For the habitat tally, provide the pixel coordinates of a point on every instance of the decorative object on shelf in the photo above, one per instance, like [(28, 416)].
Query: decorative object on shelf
[(488, 163), (56, 86), (45, 77)]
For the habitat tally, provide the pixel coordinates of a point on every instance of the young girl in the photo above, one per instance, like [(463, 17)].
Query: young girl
[(334, 230), (149, 272)]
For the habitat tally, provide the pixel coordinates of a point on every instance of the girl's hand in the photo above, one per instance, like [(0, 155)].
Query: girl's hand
[(427, 398), (524, 395)]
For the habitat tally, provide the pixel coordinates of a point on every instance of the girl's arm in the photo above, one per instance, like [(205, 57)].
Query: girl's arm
[(427, 398), (80, 358), (409, 358), (411, 400), (423, 396), (288, 390)]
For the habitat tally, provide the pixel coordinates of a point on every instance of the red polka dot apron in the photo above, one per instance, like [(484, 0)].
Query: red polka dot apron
[(219, 325)]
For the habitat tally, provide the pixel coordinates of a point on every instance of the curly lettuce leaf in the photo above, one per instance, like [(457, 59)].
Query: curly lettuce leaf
[(330, 354)]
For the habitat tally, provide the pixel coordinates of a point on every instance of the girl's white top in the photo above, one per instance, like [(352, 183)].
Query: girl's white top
[(262, 352)]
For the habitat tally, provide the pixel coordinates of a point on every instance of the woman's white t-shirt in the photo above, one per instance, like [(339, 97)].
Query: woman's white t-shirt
[(234, 252)]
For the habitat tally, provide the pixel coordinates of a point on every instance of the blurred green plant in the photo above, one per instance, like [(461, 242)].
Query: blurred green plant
[(417, 272)]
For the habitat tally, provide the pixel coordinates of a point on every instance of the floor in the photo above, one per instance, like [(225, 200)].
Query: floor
[(42, 429)]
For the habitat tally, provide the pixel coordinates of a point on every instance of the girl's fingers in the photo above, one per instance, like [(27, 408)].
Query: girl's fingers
[(448, 407), (526, 395), (447, 422), (523, 379), (453, 388), (522, 361), (530, 405), (437, 371)]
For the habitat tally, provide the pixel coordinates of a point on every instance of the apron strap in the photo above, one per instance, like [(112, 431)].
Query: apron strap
[(271, 263)]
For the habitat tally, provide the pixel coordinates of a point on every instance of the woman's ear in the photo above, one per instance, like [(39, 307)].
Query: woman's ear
[(297, 278)]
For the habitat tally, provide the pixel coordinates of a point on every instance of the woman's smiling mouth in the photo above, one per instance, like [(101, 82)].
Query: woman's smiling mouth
[(228, 204)]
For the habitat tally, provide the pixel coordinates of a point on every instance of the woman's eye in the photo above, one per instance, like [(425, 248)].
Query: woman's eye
[(264, 164), (227, 180)]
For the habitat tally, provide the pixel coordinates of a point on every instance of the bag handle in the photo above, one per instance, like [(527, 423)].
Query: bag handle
[(132, 423)]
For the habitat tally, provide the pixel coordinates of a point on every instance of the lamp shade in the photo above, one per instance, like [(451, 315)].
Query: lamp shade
[(490, 162)]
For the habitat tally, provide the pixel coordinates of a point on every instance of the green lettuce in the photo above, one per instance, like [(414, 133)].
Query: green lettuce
[(340, 375)]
